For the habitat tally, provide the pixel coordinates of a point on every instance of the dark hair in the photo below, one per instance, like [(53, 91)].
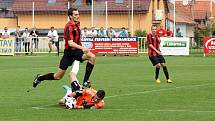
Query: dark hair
[(100, 94), (70, 11)]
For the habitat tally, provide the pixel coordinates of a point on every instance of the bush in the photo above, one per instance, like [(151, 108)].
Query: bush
[(140, 33)]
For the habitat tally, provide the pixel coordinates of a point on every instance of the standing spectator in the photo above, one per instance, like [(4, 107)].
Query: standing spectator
[(93, 32), (18, 38), (111, 32), (161, 32), (53, 35), (123, 33), (178, 33), (34, 33), (26, 38), (102, 32), (6, 33), (155, 55), (169, 33), (85, 32)]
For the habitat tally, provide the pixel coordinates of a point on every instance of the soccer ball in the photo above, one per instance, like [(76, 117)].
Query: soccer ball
[(70, 102)]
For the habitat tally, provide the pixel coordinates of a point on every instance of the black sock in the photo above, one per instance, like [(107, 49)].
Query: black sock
[(157, 73), (49, 76), (89, 68), (166, 72)]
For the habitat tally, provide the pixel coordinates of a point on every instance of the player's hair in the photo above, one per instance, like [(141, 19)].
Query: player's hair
[(100, 94), (71, 9)]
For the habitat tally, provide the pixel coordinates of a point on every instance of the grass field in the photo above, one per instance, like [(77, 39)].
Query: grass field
[(132, 94)]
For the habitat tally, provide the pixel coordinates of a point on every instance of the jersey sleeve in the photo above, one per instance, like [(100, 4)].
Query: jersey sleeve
[(70, 34), (149, 40)]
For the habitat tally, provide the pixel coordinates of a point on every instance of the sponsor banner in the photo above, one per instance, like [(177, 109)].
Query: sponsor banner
[(6, 46), (174, 45), (209, 45), (113, 46)]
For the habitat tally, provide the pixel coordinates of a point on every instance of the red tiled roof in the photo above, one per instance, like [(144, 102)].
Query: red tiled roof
[(40, 5), (183, 13), (202, 9), (141, 6)]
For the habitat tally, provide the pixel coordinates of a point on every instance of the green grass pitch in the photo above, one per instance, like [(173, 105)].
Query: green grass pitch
[(132, 94)]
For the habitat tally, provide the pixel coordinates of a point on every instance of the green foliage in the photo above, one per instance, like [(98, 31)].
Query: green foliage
[(199, 33), (140, 33)]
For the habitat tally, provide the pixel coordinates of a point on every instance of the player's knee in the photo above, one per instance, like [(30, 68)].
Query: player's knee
[(158, 65), (58, 77), (92, 58)]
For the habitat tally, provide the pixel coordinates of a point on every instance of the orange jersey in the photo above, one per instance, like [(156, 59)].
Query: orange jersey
[(88, 95)]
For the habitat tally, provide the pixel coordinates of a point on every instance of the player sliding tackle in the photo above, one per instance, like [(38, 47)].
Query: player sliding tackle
[(78, 98)]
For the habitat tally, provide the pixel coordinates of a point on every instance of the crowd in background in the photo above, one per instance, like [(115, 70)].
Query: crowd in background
[(27, 38)]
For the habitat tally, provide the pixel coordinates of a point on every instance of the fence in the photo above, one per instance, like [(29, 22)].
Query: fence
[(36, 45), (195, 47)]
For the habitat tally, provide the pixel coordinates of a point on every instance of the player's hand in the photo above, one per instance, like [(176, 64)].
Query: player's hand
[(159, 52), (86, 50)]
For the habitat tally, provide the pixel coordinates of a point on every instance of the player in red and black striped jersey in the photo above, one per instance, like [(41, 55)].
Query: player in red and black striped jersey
[(155, 55), (73, 51)]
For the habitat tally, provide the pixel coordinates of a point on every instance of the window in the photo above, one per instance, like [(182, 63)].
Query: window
[(51, 1), (89, 2), (119, 1), (78, 3)]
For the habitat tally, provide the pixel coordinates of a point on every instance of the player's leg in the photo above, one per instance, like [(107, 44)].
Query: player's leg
[(165, 70), (50, 46), (64, 63), (157, 65), (89, 67), (49, 76), (75, 85)]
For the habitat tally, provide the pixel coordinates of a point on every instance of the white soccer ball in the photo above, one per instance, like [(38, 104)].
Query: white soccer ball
[(70, 102)]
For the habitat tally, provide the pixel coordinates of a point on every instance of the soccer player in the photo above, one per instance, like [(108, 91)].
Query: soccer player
[(155, 55), (87, 98), (73, 51)]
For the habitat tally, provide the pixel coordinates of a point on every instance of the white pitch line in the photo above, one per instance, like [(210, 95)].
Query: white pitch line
[(143, 92), (148, 91)]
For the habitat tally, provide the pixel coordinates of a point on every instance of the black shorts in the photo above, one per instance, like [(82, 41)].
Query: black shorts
[(157, 59), (55, 43), (69, 57)]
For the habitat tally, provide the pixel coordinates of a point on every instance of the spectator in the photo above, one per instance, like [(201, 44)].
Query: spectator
[(111, 32), (161, 32), (85, 32), (93, 32), (123, 33), (6, 33), (26, 38), (102, 32), (18, 40), (34, 33), (53, 35), (169, 33), (178, 33)]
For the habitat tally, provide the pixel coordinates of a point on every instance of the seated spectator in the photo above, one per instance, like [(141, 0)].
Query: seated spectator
[(93, 32), (102, 32), (123, 33), (111, 32), (178, 33), (85, 32), (6, 33), (161, 32)]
